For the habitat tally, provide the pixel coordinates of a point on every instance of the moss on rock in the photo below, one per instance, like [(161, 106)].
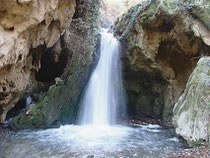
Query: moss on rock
[(161, 39), (191, 112), (58, 106)]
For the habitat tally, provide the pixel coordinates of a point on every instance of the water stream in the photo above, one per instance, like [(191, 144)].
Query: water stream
[(104, 98), (97, 133)]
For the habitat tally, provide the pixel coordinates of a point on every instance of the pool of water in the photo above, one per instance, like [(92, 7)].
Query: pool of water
[(150, 141)]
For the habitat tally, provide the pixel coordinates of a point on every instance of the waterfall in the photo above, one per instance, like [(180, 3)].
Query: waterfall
[(103, 100)]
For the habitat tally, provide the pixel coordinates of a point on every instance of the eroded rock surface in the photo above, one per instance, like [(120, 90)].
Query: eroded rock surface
[(58, 105), (24, 25), (162, 41), (192, 111)]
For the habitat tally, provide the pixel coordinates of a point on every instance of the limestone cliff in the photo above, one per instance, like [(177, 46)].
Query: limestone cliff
[(162, 41), (79, 42), (27, 24)]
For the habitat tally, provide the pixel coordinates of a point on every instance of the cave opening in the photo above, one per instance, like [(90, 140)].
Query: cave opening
[(50, 66), (146, 91), (175, 63), (144, 95)]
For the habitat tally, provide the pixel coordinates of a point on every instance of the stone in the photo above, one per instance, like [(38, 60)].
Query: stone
[(58, 81), (192, 111)]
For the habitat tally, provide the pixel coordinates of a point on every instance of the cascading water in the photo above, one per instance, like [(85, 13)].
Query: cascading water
[(103, 98), (102, 103)]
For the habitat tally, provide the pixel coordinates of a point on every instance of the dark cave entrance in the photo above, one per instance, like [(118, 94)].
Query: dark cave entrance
[(17, 109), (53, 64), (50, 66), (144, 95)]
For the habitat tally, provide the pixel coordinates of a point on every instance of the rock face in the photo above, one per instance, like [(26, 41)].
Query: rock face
[(192, 111), (79, 41), (24, 25), (161, 42)]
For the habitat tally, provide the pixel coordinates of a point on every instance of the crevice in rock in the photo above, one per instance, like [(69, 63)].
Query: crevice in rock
[(21, 105), (11, 28), (17, 109), (166, 26), (80, 9)]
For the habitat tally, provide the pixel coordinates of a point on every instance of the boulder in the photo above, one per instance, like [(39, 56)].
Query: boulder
[(192, 111)]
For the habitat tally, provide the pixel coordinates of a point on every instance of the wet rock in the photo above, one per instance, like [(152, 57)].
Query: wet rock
[(191, 113), (58, 105), (199, 152), (161, 44), (141, 95), (24, 25)]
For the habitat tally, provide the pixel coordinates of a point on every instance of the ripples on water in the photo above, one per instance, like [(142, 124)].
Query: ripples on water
[(82, 141)]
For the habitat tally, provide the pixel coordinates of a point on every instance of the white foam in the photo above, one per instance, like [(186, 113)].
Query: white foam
[(104, 99)]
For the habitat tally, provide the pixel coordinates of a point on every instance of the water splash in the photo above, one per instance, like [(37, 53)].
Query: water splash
[(101, 105), (89, 141), (29, 101), (103, 100)]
